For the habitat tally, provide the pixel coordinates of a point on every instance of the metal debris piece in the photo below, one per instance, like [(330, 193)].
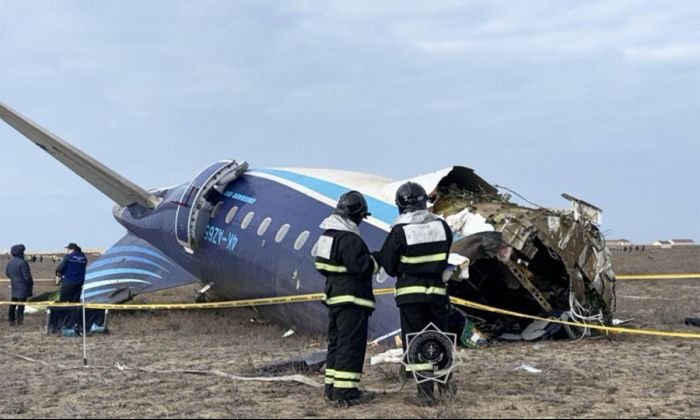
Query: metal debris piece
[(527, 368), (532, 260), (692, 322), (305, 364)]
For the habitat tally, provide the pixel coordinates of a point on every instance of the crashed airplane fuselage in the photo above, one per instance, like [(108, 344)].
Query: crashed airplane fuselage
[(249, 233), (538, 261)]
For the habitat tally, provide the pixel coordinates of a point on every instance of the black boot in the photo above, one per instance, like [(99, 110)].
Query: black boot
[(425, 396), (328, 394), (448, 390), (359, 398), (11, 316)]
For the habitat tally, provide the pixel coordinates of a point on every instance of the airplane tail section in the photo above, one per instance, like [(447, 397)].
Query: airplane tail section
[(132, 267), (110, 183)]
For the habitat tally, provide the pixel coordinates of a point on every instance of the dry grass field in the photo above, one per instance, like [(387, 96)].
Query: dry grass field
[(612, 377)]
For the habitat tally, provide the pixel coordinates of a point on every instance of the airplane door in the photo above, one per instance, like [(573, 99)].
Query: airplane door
[(194, 208)]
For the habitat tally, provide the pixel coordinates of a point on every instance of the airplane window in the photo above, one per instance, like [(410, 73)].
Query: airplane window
[(282, 233), (247, 220), (217, 209), (231, 214), (263, 226), (301, 240)]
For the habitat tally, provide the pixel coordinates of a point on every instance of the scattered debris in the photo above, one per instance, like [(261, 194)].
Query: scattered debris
[(393, 356), (527, 368), (692, 322), (30, 310), (201, 294), (30, 360), (542, 330), (290, 378), (532, 260), (471, 337), (535, 331), (288, 334), (510, 337), (311, 363), (384, 337)]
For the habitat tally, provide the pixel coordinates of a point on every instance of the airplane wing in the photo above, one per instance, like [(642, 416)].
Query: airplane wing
[(110, 183), (131, 267)]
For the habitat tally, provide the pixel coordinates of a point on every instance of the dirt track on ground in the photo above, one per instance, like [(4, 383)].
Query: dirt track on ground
[(619, 376)]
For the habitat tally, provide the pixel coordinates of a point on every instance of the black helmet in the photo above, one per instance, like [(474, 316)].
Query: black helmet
[(411, 197), (352, 205)]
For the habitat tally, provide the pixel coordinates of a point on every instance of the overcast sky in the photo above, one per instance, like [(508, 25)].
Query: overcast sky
[(600, 99)]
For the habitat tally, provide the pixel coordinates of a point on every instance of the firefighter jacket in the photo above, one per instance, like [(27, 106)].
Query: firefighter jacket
[(344, 259), (416, 253)]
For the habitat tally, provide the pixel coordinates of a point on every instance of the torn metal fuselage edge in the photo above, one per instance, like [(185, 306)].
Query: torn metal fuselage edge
[(537, 260)]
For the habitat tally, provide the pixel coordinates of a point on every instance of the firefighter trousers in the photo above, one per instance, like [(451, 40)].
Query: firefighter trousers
[(414, 318), (347, 345)]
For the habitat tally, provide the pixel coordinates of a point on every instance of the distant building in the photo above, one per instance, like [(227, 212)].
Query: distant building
[(618, 242), (663, 244), (682, 242)]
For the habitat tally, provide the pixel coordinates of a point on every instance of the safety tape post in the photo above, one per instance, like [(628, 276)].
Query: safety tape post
[(318, 297)]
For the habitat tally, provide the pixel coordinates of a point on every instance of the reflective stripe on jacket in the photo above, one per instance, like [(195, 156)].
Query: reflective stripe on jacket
[(416, 253), (344, 259)]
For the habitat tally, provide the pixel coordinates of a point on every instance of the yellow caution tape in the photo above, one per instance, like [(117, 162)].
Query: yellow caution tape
[(657, 276), (315, 297), (35, 280), (618, 330), (173, 306)]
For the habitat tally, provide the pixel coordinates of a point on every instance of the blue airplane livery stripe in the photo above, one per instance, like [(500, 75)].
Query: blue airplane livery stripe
[(88, 295), (113, 282), (380, 210), (137, 249), (125, 259), (113, 271)]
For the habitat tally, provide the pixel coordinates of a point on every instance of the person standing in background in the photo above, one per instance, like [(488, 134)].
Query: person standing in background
[(21, 283), (70, 273)]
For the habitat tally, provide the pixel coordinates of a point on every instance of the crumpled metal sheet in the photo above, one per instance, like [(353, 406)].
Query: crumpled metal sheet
[(572, 236)]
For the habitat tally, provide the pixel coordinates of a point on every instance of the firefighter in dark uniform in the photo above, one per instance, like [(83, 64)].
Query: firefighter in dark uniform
[(416, 253), (344, 259)]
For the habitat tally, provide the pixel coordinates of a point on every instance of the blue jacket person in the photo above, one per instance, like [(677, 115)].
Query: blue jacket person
[(71, 274)]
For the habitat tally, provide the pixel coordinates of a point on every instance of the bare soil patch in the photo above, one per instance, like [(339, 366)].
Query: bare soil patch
[(618, 376)]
